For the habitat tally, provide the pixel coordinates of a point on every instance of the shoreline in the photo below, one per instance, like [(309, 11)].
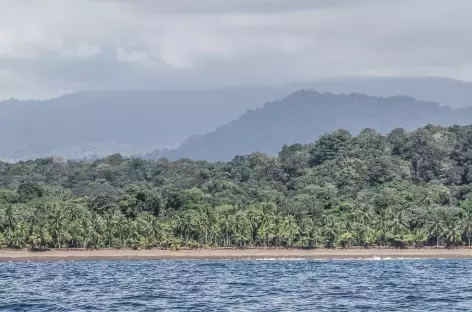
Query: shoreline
[(233, 254)]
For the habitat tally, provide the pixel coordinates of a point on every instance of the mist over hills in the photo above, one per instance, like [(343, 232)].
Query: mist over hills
[(99, 123), (305, 115), (451, 92), (128, 122)]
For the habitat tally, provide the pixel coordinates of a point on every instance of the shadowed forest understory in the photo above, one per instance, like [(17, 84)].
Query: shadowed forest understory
[(397, 190)]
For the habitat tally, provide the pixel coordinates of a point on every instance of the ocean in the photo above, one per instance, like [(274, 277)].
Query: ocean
[(237, 285)]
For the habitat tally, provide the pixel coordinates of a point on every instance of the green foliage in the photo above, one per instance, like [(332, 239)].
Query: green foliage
[(329, 146), (398, 190)]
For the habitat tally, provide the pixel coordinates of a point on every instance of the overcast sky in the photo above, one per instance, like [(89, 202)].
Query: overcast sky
[(49, 47)]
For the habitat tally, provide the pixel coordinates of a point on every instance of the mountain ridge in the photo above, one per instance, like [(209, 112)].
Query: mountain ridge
[(305, 115), (134, 122)]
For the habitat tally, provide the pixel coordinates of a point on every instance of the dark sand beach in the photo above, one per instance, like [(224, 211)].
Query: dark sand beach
[(202, 254)]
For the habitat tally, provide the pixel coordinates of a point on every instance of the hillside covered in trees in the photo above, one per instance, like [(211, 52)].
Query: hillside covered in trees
[(99, 123), (305, 115), (399, 189)]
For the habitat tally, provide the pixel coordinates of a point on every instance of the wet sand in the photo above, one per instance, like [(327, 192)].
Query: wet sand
[(202, 254)]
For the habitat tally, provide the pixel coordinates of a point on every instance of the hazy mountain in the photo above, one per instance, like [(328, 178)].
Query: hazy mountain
[(446, 91), (135, 122), (100, 123), (304, 115)]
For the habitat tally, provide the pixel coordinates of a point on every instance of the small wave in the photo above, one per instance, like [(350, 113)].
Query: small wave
[(281, 259), (313, 284), (323, 259), (375, 258)]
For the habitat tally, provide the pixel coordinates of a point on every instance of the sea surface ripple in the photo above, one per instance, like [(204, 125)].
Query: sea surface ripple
[(237, 285)]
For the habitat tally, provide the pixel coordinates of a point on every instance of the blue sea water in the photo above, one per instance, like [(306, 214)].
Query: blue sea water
[(240, 285)]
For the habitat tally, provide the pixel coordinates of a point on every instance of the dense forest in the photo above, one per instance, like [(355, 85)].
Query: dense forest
[(399, 189), (304, 115)]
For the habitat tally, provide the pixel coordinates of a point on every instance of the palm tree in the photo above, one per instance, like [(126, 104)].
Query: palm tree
[(3, 241), (278, 229), (133, 233), (267, 220), (10, 218), (452, 233), (436, 226), (96, 230), (74, 229), (371, 237), (85, 234), (40, 236), (265, 231), (109, 228), (225, 222), (75, 211), (346, 239), (331, 231), (419, 237), (383, 223), (56, 223), (153, 229), (291, 230), (34, 219), (399, 223), (358, 231), (202, 227), (263, 234), (242, 229), (190, 225), (364, 214), (19, 235), (254, 214), (466, 225), (121, 225), (207, 217)]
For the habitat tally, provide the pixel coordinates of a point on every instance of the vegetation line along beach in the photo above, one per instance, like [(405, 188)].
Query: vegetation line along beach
[(402, 189)]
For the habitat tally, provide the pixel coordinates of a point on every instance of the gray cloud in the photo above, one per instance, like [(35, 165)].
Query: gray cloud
[(230, 6), (53, 46)]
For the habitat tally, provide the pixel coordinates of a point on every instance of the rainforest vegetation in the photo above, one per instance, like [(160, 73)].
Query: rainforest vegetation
[(305, 115), (399, 189)]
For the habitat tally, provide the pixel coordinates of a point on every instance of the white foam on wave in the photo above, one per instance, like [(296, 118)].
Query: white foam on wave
[(374, 258), (281, 259)]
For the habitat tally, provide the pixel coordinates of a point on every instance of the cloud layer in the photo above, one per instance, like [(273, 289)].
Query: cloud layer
[(53, 46)]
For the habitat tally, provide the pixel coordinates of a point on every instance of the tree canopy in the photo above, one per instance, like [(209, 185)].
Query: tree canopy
[(398, 189)]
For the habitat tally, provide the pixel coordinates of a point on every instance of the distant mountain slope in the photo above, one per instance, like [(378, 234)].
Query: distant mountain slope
[(304, 115), (451, 92), (100, 123), (79, 124)]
